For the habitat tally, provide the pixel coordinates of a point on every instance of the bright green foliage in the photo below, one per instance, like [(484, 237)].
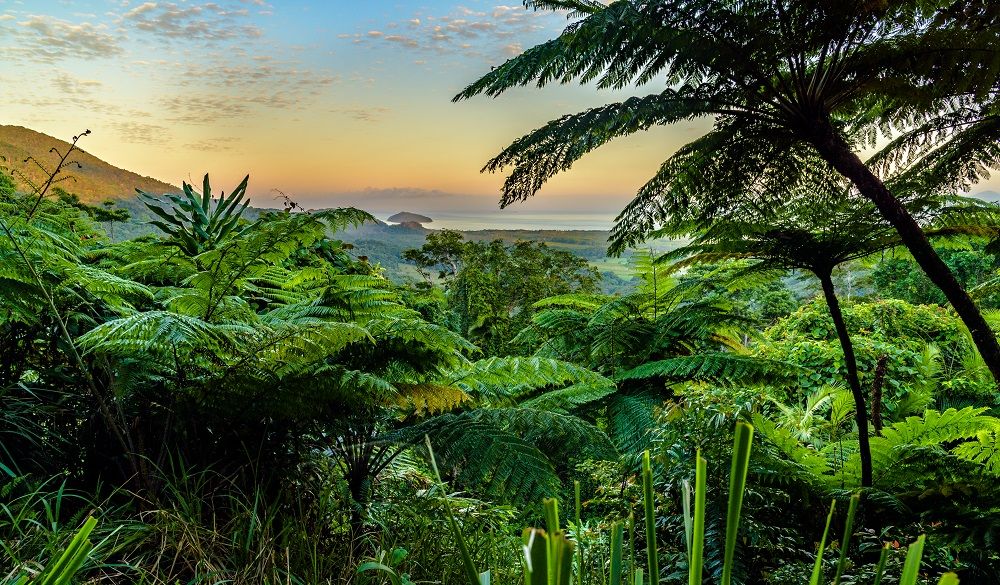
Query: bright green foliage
[(649, 507), (648, 342), (742, 441), (900, 278), (696, 553), (387, 565), (548, 558), (985, 450), (60, 571), (917, 375), (492, 287), (933, 433), (195, 221), (845, 540)]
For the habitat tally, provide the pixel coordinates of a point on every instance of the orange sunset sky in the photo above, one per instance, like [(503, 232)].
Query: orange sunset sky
[(333, 102)]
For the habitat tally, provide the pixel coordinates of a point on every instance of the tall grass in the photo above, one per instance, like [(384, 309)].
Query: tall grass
[(548, 555)]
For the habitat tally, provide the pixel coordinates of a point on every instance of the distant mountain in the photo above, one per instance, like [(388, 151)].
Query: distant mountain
[(407, 217), (991, 196), (96, 181)]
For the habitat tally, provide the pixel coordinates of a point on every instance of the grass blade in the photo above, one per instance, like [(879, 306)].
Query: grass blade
[(630, 531), (579, 548), (911, 568), (72, 558), (880, 567), (551, 506), (948, 579), (649, 505), (852, 510), (616, 553), (817, 574), (471, 574), (737, 486), (695, 567), (688, 516)]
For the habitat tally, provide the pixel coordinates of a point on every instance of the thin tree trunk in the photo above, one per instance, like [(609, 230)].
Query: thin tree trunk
[(860, 410), (835, 150)]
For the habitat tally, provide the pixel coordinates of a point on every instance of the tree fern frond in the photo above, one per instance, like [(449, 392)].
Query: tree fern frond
[(574, 301), (566, 400), (631, 418), (430, 398), (480, 455), (934, 430), (513, 378), (717, 367), (984, 450), (813, 463), (159, 332)]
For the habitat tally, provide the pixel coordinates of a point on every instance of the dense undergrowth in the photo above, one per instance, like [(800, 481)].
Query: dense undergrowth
[(246, 402)]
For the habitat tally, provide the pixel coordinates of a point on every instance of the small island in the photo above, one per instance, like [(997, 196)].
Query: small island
[(409, 219)]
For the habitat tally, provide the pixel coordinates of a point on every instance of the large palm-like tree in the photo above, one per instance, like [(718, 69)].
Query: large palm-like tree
[(816, 235), (785, 81)]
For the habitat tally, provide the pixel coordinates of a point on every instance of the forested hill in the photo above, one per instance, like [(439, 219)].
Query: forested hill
[(94, 182)]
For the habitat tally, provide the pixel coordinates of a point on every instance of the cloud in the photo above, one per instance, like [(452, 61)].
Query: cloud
[(364, 114), (68, 85), (204, 109), (513, 49), (466, 31), (261, 74), (48, 39), (229, 89), (221, 144), (139, 133), (209, 22)]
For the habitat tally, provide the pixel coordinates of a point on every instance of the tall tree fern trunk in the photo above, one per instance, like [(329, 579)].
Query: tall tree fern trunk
[(835, 150), (359, 483), (851, 362)]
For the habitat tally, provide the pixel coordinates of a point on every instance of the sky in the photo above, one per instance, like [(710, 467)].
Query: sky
[(331, 102)]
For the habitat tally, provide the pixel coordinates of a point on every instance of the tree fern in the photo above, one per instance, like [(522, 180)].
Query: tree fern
[(984, 450), (508, 452), (716, 367), (569, 399), (504, 379)]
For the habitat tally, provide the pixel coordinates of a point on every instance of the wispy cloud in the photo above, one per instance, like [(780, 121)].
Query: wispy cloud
[(258, 74), (203, 109), (221, 144), (475, 33), (207, 22), (364, 114), (141, 133), (48, 39), (69, 85)]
